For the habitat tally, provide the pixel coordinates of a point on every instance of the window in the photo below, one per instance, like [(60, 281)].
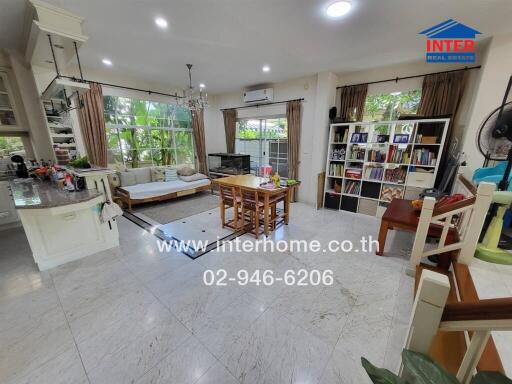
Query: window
[(390, 106), (143, 133), (11, 145), (266, 141)]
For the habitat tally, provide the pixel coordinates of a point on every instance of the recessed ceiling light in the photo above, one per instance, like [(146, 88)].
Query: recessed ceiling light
[(265, 68), (161, 22), (202, 85), (338, 8), (107, 62)]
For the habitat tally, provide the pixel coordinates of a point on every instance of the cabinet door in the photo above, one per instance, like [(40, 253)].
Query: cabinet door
[(7, 211)]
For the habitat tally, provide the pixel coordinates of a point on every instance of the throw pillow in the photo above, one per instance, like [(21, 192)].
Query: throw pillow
[(194, 177), (142, 175), (171, 174), (186, 171), (158, 173), (127, 179)]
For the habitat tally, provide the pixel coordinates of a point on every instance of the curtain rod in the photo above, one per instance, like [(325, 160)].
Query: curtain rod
[(176, 96), (262, 104), (411, 77)]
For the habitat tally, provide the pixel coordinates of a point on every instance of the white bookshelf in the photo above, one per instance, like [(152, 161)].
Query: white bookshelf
[(369, 163), (61, 130)]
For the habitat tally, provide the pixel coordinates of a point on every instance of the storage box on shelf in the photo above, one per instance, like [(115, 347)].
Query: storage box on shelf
[(61, 130), (369, 164)]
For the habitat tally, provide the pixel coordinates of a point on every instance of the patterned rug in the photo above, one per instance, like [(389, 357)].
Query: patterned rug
[(179, 208)]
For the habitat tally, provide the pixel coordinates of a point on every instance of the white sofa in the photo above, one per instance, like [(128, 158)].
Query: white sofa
[(137, 186)]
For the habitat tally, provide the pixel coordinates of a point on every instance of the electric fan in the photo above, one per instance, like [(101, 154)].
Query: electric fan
[(494, 141)]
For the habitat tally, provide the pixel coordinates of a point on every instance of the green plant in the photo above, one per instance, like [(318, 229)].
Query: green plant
[(82, 163), (426, 371)]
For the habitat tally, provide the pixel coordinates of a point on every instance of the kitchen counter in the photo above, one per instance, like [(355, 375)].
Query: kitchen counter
[(63, 226), (32, 194)]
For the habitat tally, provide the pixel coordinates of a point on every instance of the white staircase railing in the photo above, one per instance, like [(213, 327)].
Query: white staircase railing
[(467, 218), (431, 314)]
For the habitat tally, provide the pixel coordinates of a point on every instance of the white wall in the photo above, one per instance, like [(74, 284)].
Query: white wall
[(496, 71), (306, 88)]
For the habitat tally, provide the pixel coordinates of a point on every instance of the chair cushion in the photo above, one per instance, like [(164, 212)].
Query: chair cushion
[(171, 174), (127, 179), (142, 175), (193, 177)]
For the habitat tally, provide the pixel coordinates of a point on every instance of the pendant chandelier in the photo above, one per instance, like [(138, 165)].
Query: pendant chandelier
[(192, 99)]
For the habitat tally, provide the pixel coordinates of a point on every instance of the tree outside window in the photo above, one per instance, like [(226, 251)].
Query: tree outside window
[(390, 106), (144, 133)]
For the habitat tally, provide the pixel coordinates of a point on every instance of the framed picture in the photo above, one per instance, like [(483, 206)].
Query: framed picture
[(356, 137), (382, 138), (401, 138), (363, 138)]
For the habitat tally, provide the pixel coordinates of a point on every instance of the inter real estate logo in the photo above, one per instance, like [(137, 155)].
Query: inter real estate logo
[(450, 42)]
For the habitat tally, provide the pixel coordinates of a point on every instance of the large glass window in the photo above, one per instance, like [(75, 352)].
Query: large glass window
[(266, 141), (143, 133), (390, 106)]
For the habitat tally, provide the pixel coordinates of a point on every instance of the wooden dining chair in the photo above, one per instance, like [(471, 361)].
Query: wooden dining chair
[(229, 198), (252, 209), (277, 217)]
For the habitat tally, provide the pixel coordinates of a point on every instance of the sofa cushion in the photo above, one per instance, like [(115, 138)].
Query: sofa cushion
[(161, 188), (158, 174), (142, 175), (185, 170), (171, 174), (127, 179), (194, 177)]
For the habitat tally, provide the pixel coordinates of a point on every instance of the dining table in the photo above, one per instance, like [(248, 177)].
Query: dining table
[(252, 182)]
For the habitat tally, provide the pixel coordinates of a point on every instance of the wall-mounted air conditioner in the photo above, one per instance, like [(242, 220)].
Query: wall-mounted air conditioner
[(259, 95)]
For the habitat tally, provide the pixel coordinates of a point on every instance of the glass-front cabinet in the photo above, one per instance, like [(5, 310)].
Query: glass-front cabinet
[(7, 113)]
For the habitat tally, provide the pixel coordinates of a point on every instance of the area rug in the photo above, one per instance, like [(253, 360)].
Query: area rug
[(179, 208)]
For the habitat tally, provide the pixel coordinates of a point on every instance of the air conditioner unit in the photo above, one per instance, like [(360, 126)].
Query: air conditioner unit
[(266, 94)]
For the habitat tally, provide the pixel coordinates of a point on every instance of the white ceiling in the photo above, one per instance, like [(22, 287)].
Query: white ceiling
[(228, 41)]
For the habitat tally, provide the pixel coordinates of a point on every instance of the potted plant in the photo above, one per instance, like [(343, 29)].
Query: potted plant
[(424, 370)]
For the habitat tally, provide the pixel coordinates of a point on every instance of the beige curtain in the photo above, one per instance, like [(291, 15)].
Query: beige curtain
[(294, 117), (199, 140), (93, 125), (441, 95), (230, 128), (351, 98)]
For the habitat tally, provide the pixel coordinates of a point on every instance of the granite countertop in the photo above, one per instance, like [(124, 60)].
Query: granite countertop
[(31, 194)]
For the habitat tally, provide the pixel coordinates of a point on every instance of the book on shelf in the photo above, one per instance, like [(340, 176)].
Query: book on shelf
[(396, 175), (373, 173), (424, 156), (353, 173), (357, 153), (340, 137), (376, 156), (398, 155), (352, 187), (338, 154), (336, 169)]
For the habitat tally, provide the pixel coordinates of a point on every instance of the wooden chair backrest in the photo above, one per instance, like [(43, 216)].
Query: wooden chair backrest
[(227, 193), (250, 198)]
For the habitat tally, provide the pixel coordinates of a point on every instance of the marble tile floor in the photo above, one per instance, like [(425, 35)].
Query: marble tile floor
[(135, 315)]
